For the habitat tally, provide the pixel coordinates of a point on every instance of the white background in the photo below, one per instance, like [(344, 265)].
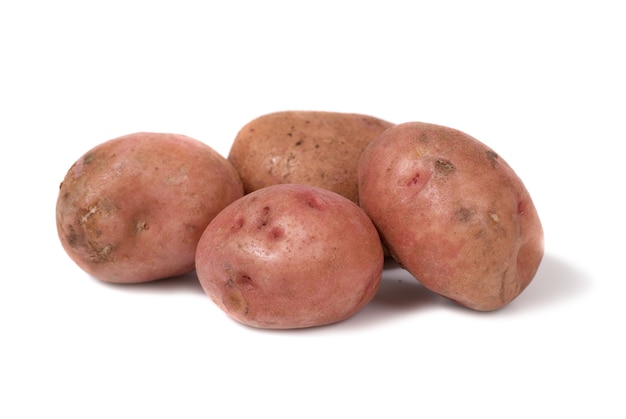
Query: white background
[(541, 82)]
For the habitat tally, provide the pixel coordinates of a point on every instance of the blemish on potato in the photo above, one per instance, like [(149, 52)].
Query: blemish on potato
[(236, 303), (316, 203), (88, 158), (140, 226), (419, 153), (423, 138), (464, 214), (264, 217), (85, 217), (72, 238), (277, 233), (244, 281), (444, 167), (494, 217), (415, 179), (101, 255), (492, 157), (238, 224)]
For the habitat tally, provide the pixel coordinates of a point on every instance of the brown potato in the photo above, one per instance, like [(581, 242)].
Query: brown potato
[(314, 148), (290, 256), (452, 212), (132, 209)]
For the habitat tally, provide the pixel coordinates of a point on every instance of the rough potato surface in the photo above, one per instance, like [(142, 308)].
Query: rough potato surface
[(290, 256), (132, 209), (310, 147), (452, 212)]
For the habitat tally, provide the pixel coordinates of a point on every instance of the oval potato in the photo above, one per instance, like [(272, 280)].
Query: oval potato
[(310, 147), (452, 212), (132, 209), (290, 256)]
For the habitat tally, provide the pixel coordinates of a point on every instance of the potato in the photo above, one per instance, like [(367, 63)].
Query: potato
[(452, 212), (290, 256), (132, 209), (314, 148)]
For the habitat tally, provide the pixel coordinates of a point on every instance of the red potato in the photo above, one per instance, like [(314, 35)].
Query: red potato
[(132, 209), (290, 256), (310, 147), (452, 212)]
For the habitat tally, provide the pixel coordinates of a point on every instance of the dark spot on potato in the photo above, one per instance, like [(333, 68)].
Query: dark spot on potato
[(72, 238), (521, 207), (416, 179), (298, 143), (277, 233), (89, 158), (239, 222), (317, 146), (264, 217), (367, 121), (230, 273), (463, 214), (444, 167), (290, 135), (491, 155)]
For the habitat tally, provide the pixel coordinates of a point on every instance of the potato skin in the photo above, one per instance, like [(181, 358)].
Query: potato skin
[(133, 208), (452, 212), (310, 147), (290, 256)]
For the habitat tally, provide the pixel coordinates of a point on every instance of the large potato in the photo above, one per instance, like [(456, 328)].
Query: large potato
[(452, 212), (309, 147), (290, 256), (132, 209)]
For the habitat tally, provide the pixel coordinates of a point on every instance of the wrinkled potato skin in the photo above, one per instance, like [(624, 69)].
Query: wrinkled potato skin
[(132, 209), (290, 256), (452, 213), (310, 147)]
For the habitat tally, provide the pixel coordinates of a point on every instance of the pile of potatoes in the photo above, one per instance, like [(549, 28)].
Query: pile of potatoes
[(292, 229)]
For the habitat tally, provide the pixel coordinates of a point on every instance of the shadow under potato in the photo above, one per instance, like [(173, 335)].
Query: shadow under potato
[(556, 280), (400, 294), (182, 283)]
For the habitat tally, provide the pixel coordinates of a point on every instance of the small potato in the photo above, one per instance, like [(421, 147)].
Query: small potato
[(132, 209), (290, 256), (452, 212), (314, 148)]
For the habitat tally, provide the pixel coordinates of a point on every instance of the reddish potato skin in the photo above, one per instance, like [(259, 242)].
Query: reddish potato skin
[(290, 256), (452, 212), (310, 147), (133, 208)]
